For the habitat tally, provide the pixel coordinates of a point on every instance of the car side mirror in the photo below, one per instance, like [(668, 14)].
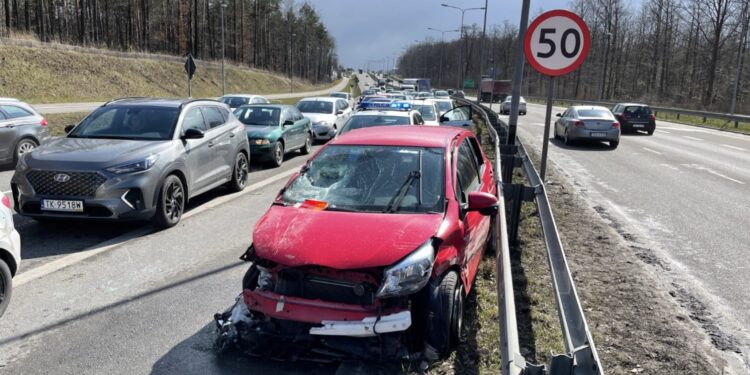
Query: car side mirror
[(444, 119), (484, 203), (288, 122), (559, 115), (69, 128), (193, 133)]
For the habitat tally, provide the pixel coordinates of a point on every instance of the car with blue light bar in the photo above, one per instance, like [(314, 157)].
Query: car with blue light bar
[(382, 114)]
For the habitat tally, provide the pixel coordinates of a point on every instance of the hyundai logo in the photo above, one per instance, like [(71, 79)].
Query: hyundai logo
[(62, 177)]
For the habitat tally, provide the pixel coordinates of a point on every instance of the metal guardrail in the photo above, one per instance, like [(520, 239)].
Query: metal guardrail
[(581, 357), (676, 111)]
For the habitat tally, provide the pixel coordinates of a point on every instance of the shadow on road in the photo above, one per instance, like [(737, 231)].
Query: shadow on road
[(582, 145), (195, 355), (7, 167)]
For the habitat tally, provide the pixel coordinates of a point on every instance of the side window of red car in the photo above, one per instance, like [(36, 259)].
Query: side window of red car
[(467, 171)]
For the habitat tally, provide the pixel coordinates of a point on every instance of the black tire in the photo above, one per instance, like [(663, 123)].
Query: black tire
[(613, 144), (651, 131), (23, 146), (277, 155), (240, 173), (308, 145), (445, 317), (171, 203), (6, 286)]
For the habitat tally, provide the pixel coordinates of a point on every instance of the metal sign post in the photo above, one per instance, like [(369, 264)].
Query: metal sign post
[(555, 44), (190, 70)]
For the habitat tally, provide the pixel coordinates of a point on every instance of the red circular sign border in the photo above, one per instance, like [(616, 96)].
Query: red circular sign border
[(543, 17)]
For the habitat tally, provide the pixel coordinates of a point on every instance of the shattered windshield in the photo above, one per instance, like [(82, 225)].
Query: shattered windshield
[(367, 178)]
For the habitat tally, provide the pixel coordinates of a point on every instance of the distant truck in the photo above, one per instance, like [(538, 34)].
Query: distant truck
[(420, 84), (494, 90)]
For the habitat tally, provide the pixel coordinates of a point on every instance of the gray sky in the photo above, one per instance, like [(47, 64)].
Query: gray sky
[(375, 29)]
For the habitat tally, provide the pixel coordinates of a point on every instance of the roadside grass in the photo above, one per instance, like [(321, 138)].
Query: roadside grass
[(40, 75), (56, 122), (742, 127)]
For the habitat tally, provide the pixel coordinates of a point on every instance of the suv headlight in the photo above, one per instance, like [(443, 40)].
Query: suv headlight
[(140, 165), (409, 275)]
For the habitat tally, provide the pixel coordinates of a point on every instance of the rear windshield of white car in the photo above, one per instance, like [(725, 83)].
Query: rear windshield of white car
[(444, 106), (359, 122), (315, 106), (594, 113), (427, 111)]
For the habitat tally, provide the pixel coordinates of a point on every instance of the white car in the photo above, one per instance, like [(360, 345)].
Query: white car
[(367, 118), (10, 252), (429, 111), (443, 105), (505, 106), (327, 115), (235, 101), (343, 95)]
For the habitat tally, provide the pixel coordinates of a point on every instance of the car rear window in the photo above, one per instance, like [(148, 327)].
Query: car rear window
[(427, 111), (338, 95), (256, 115), (235, 101), (359, 122), (15, 112), (594, 113), (315, 106), (637, 110)]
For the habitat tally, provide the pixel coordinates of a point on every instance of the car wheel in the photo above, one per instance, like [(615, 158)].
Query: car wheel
[(567, 138), (239, 173), (6, 286), (445, 318), (613, 144), (308, 145), (23, 146), (171, 203), (277, 156), (651, 131)]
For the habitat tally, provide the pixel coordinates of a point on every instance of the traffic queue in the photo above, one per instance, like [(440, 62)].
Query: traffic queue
[(400, 186)]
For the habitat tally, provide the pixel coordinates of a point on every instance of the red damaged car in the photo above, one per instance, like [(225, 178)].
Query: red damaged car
[(369, 251)]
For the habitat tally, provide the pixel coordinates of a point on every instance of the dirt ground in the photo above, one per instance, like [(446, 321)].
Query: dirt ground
[(638, 324)]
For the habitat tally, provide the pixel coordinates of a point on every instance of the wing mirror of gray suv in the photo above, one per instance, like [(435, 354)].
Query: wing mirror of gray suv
[(69, 128), (193, 133)]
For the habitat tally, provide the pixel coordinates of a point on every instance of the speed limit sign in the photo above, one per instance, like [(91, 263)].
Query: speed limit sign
[(557, 42)]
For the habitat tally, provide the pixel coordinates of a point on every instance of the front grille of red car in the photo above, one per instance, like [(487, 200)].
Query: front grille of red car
[(297, 283)]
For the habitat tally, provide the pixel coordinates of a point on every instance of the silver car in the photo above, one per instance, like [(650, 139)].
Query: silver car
[(134, 159), (21, 130), (10, 252), (505, 106), (587, 123)]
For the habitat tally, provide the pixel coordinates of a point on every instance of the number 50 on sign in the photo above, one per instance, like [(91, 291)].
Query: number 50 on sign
[(557, 42)]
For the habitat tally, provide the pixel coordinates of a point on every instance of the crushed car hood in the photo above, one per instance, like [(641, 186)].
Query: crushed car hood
[(341, 240)]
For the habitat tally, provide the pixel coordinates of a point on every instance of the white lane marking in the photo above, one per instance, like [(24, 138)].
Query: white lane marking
[(733, 147), (74, 258), (693, 138), (672, 167), (653, 151), (664, 131), (713, 172)]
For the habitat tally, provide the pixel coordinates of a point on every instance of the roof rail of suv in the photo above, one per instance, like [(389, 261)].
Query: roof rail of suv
[(188, 101), (125, 98)]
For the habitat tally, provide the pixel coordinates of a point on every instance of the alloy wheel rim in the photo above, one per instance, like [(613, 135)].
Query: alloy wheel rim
[(279, 153), (241, 170), (308, 142), (25, 147), (173, 201)]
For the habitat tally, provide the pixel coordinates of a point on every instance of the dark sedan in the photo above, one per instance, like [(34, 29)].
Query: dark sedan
[(274, 130), (134, 159), (634, 117)]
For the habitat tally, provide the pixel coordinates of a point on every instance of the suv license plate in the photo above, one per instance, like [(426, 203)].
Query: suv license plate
[(598, 134), (639, 125), (58, 205)]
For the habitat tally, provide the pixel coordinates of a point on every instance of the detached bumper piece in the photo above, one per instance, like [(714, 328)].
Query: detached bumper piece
[(368, 327)]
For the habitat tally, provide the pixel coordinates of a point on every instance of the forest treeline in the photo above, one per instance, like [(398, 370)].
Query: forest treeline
[(276, 35), (683, 53)]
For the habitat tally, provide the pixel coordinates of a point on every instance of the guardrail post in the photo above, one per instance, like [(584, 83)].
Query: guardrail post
[(678, 115), (517, 194)]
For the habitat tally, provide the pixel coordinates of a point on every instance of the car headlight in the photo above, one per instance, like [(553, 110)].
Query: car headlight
[(409, 275), (137, 166), (21, 166), (323, 123), (260, 141)]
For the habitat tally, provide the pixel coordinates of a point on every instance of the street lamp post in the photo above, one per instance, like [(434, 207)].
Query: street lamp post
[(481, 50), (222, 6), (461, 52), (442, 52), (291, 76)]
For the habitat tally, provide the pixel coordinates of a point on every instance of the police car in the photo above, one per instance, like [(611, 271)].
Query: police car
[(378, 113)]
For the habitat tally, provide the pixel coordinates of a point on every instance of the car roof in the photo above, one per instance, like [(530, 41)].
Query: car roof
[(401, 135), (320, 99), (158, 102), (577, 107)]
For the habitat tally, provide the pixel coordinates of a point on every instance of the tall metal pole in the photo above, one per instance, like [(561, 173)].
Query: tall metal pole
[(547, 119), (222, 5), (461, 52), (481, 48), (518, 74)]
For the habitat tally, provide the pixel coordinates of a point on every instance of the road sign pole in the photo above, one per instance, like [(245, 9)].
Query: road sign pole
[(190, 87), (547, 120), (518, 75)]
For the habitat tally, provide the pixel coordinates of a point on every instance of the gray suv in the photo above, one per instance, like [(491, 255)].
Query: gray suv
[(134, 159), (21, 129)]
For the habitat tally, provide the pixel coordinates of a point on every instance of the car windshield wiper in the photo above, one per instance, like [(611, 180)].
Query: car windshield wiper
[(395, 201)]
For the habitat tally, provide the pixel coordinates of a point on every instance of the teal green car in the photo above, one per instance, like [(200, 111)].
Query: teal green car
[(275, 130)]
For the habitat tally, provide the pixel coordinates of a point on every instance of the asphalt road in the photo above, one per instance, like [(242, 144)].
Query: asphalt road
[(682, 195), (87, 107), (94, 298)]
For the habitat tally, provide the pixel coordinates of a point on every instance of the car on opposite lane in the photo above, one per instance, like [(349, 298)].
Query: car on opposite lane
[(587, 123), (274, 130), (411, 208), (134, 159), (634, 117), (327, 115), (505, 105), (10, 252), (21, 130), (237, 100)]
